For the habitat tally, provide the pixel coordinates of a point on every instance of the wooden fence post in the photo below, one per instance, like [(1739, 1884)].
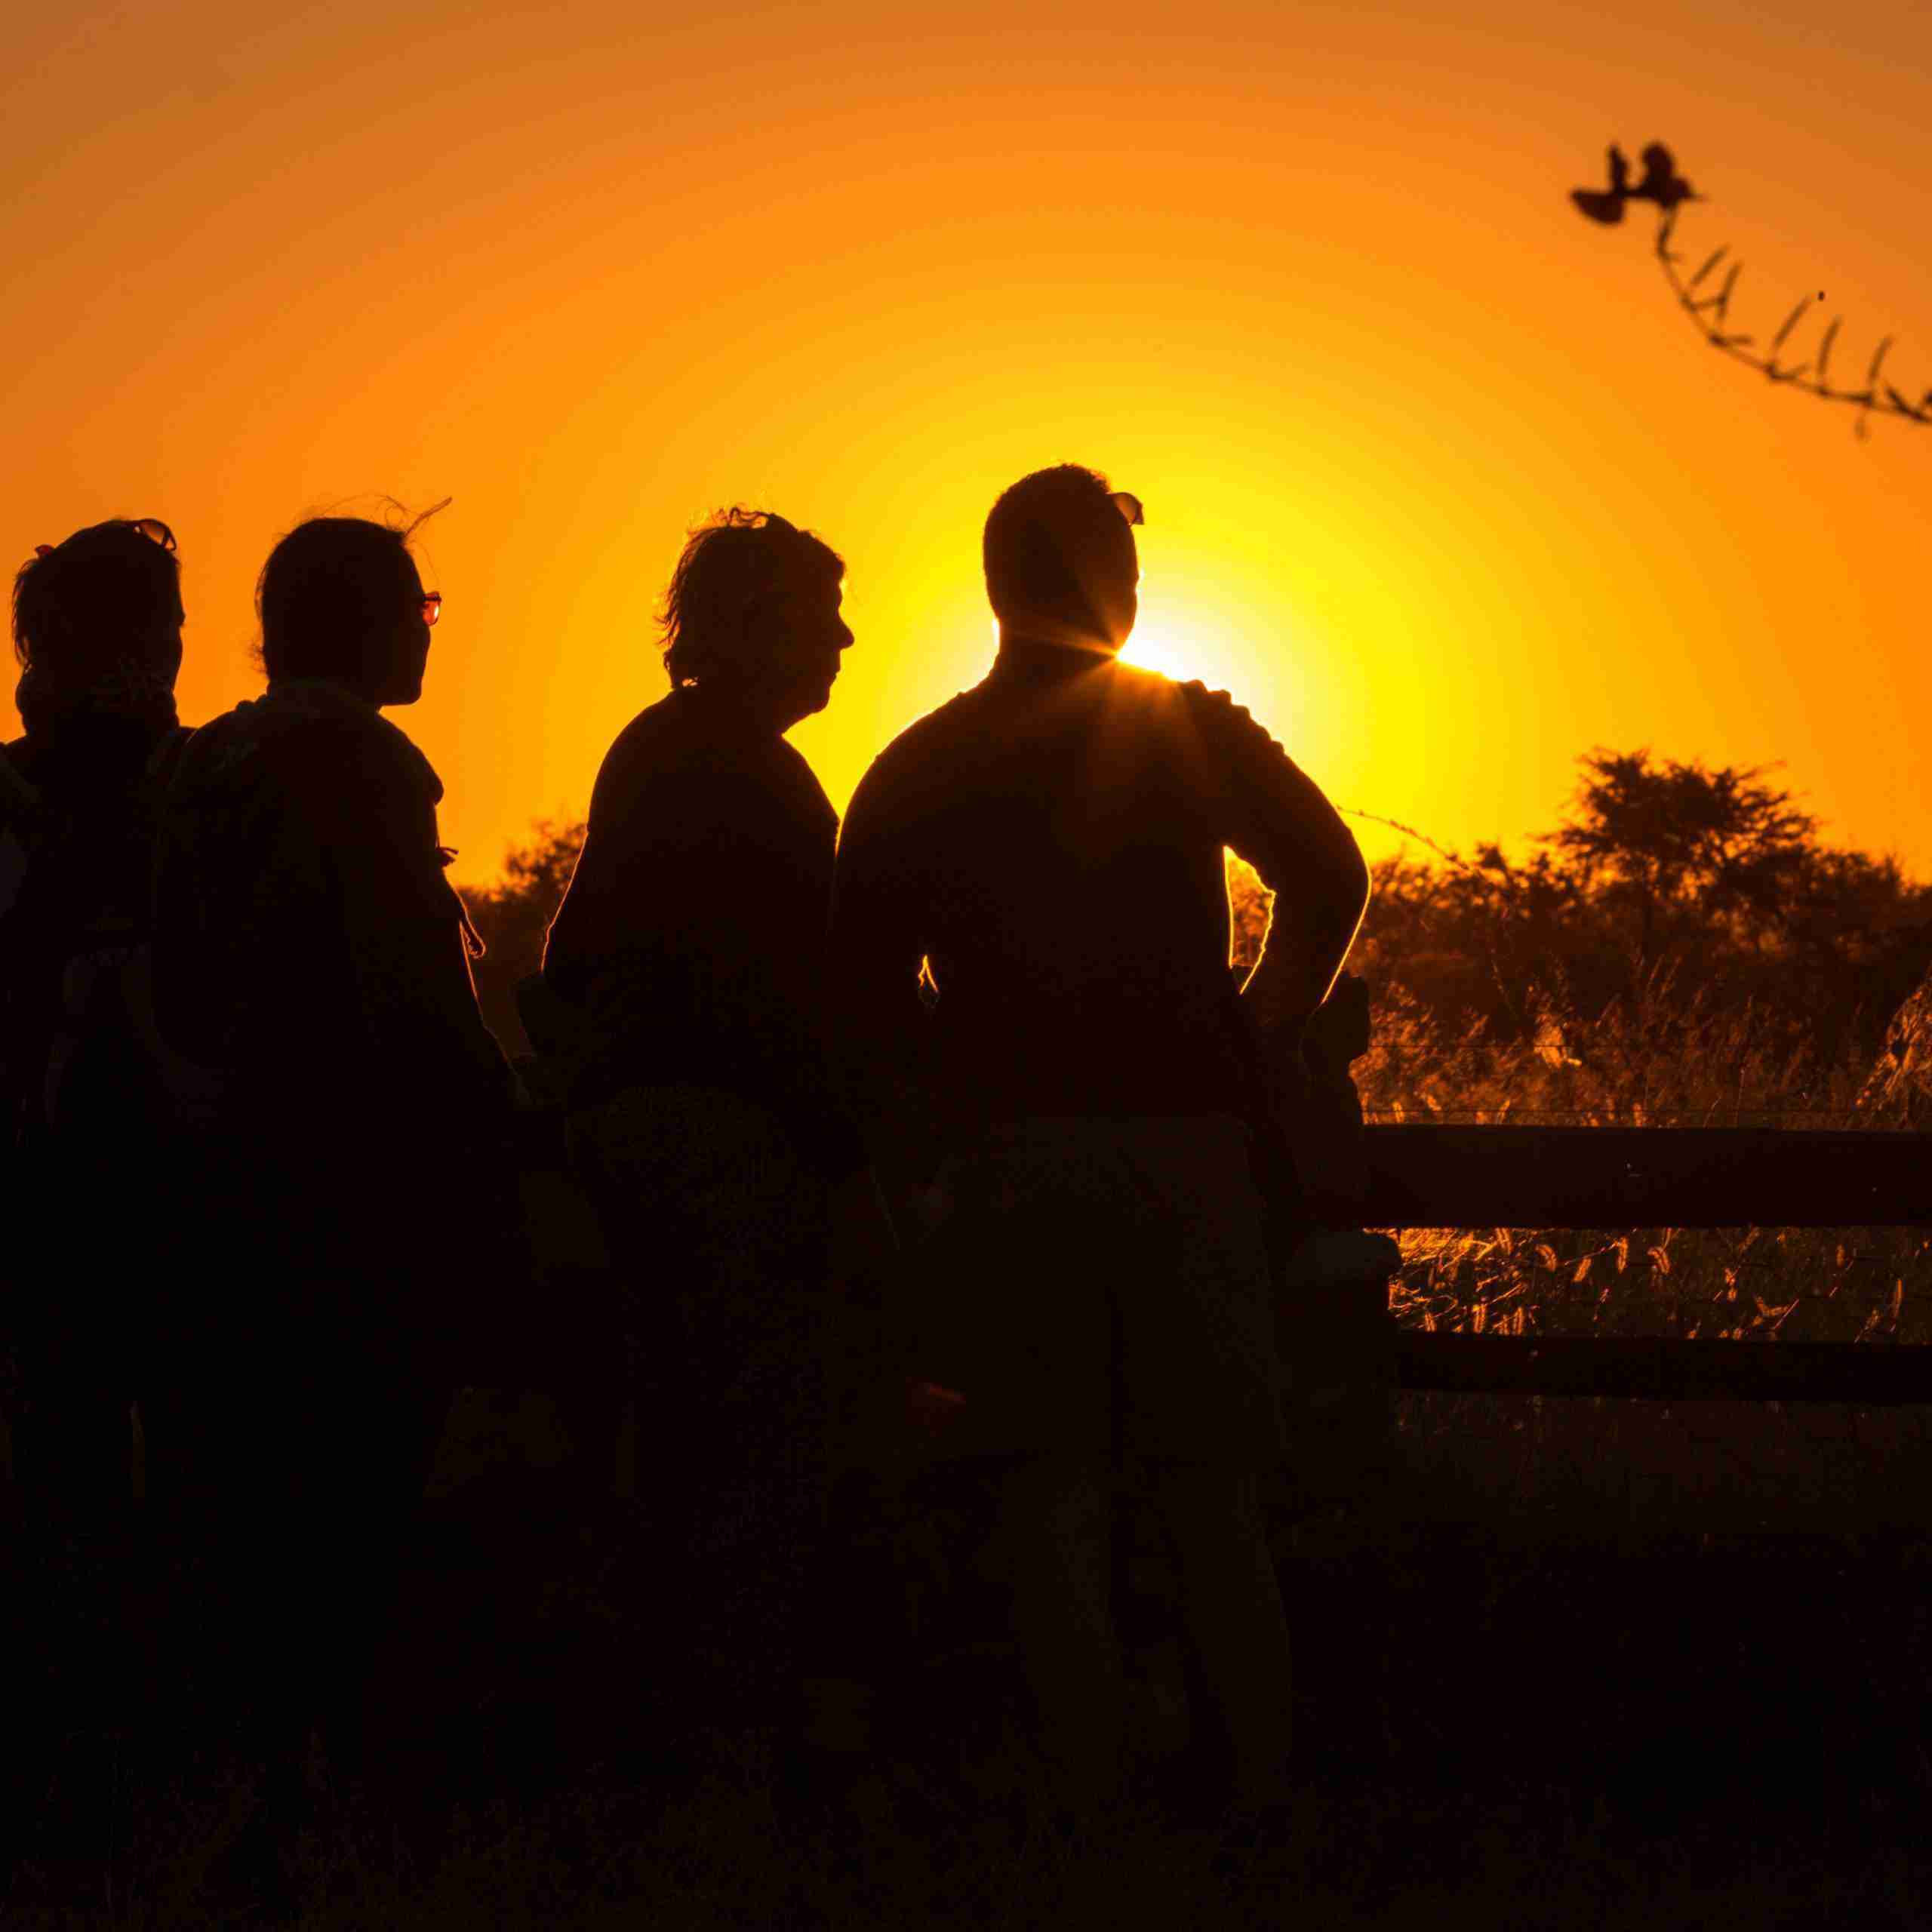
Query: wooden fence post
[(1338, 1349)]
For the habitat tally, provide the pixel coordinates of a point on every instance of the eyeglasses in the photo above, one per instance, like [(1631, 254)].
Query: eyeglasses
[(432, 606), (1128, 504), (153, 528)]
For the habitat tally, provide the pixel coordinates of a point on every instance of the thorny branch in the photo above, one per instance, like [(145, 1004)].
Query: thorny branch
[(1710, 312)]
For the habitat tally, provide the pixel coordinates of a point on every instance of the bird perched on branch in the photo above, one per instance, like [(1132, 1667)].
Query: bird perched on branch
[(1602, 205), (1660, 183)]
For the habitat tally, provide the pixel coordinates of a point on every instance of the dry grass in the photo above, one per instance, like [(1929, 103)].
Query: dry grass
[(1552, 1751), (1664, 1064)]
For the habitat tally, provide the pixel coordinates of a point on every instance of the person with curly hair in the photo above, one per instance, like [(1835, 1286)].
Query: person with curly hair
[(688, 956)]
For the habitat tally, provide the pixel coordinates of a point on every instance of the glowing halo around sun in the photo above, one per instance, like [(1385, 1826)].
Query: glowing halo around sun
[(1178, 651)]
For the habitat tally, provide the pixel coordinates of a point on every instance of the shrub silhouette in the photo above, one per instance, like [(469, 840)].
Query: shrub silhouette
[(1682, 947), (511, 916)]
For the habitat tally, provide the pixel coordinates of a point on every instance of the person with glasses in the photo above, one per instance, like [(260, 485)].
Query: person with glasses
[(1031, 913), (97, 623), (684, 972), (348, 985), (312, 960)]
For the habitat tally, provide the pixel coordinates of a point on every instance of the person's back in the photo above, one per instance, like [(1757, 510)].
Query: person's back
[(686, 965), (352, 1167), (309, 951), (691, 942), (1044, 856), (1057, 834)]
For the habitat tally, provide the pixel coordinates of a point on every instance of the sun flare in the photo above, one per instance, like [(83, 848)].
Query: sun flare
[(1176, 652)]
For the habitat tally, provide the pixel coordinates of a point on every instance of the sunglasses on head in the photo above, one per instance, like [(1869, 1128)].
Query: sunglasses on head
[(152, 527)]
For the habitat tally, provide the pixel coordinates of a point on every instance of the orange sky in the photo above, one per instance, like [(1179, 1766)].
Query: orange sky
[(1436, 479)]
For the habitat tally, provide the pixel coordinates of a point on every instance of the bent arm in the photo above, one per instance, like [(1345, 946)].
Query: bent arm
[(878, 950), (1280, 822)]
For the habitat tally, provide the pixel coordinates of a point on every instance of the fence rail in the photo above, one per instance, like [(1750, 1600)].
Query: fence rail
[(1665, 1369), (1434, 1176), (1437, 1177)]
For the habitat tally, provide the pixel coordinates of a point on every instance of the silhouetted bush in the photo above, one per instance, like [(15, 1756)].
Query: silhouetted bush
[(1674, 891), (1683, 948), (512, 916)]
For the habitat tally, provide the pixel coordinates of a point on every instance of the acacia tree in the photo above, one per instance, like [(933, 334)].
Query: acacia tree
[(1668, 882), (1673, 841)]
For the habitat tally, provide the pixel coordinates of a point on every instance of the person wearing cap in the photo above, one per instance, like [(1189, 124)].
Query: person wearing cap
[(1030, 963)]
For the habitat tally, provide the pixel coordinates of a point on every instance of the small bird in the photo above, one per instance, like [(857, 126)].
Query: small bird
[(1661, 183), (1607, 206)]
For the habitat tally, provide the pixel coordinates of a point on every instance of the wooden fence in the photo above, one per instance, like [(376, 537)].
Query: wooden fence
[(1439, 1177)]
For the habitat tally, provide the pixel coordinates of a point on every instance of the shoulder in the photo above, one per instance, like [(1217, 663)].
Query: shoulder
[(218, 754), (675, 781), (15, 767), (917, 761), (794, 772), (1216, 710), (657, 731), (763, 786), (164, 760), (1215, 717), (658, 746), (334, 768), (20, 797)]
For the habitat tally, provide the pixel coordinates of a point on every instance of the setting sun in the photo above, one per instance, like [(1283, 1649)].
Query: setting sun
[(705, 1171), (1183, 651), (1434, 484), (1174, 653)]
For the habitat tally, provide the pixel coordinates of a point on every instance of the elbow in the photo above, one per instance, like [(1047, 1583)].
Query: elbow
[(1348, 890), (1349, 886)]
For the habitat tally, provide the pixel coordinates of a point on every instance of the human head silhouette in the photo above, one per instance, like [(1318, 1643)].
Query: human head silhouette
[(1060, 560), (341, 598), (752, 611), (98, 624)]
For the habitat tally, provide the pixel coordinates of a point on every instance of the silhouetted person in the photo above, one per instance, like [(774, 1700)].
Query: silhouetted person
[(311, 960), (97, 632), (1048, 847), (689, 948)]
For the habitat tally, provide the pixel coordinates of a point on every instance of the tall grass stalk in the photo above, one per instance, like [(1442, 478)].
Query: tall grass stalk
[(1661, 1061)]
